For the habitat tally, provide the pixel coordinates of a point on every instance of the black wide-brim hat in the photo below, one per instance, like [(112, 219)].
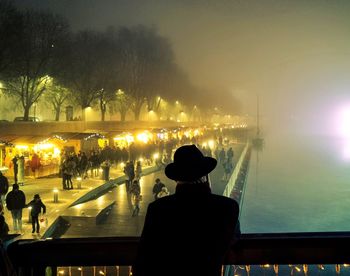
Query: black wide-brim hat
[(189, 164)]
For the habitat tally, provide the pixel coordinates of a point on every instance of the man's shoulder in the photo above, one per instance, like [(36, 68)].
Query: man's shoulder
[(223, 200), (163, 201)]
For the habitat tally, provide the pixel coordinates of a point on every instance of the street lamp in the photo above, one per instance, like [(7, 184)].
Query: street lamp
[(79, 179), (55, 195)]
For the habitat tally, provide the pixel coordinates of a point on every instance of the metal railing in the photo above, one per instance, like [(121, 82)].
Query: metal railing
[(32, 257)]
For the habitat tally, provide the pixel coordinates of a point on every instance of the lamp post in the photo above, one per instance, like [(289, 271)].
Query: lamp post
[(55, 195), (79, 179)]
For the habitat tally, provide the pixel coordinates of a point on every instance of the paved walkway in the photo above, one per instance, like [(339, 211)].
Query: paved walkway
[(44, 187), (119, 222)]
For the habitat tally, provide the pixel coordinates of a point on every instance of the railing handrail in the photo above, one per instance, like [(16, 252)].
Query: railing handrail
[(272, 248)]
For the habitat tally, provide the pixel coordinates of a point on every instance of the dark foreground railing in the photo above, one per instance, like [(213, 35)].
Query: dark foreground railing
[(31, 257)]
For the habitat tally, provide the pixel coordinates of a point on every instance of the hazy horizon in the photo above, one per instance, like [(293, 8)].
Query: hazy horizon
[(294, 54)]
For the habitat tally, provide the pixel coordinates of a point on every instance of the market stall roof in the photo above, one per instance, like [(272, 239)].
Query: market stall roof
[(77, 135), (21, 139)]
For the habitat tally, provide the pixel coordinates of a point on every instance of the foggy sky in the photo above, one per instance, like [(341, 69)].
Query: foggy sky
[(294, 54)]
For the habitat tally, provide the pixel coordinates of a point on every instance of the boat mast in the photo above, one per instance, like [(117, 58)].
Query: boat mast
[(257, 117)]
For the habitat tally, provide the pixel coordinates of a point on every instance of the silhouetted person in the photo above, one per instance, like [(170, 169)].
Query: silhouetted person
[(15, 167), (4, 187), (4, 228), (15, 202), (191, 231), (36, 205), (157, 188)]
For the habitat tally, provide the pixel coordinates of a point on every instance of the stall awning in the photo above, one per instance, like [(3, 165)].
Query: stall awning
[(77, 135), (21, 139)]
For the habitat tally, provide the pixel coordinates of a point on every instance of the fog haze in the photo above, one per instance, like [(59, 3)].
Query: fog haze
[(294, 54)]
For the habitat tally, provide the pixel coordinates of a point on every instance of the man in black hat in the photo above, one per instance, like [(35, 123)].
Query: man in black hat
[(190, 232)]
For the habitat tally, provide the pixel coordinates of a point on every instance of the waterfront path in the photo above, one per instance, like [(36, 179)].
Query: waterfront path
[(119, 222), (44, 187)]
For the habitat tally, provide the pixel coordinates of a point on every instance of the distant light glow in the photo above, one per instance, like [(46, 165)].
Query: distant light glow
[(344, 126)]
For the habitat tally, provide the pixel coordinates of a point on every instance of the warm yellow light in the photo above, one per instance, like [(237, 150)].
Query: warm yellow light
[(55, 190), (61, 272), (156, 156), (211, 144), (122, 164), (204, 145), (129, 138), (177, 102), (101, 272), (56, 152), (297, 269), (144, 137), (79, 268), (79, 178), (141, 160), (187, 133), (43, 146), (22, 147)]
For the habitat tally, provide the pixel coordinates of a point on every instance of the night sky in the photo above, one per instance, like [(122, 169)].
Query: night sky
[(294, 54)]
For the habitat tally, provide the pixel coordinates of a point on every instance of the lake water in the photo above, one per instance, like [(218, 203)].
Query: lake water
[(298, 184)]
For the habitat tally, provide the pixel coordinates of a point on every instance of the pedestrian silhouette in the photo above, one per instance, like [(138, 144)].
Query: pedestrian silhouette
[(158, 186), (191, 231)]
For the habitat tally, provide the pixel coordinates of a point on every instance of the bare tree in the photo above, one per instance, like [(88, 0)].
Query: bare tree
[(56, 96), (121, 104), (87, 70), (36, 41), (10, 25), (146, 57)]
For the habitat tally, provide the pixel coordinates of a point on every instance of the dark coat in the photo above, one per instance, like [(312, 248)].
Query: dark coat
[(36, 207), (188, 233), (157, 188), (4, 185), (15, 200)]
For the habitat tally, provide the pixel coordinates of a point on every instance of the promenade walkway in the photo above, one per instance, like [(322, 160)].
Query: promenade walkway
[(44, 187), (119, 222)]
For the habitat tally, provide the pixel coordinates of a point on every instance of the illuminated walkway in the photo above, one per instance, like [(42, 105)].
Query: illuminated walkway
[(119, 222)]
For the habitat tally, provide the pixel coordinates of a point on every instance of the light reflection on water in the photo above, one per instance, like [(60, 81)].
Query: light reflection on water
[(298, 184)]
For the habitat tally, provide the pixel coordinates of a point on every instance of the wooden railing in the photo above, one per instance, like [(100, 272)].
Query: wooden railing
[(32, 257)]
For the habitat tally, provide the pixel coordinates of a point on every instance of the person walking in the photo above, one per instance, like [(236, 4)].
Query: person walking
[(15, 167), (15, 202), (4, 187), (228, 167), (135, 191), (157, 188), (36, 205), (20, 173), (138, 170), (230, 154), (202, 226)]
